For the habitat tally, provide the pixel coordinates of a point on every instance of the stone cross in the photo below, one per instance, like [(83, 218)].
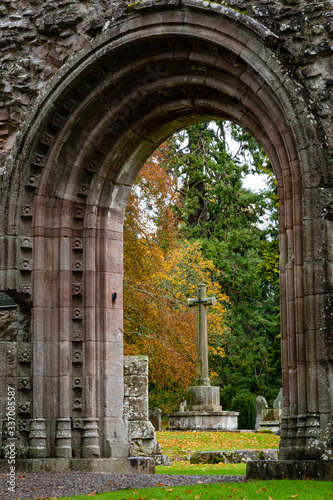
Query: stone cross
[(202, 340)]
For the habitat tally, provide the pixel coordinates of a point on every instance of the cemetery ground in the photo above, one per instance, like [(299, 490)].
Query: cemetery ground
[(180, 446)]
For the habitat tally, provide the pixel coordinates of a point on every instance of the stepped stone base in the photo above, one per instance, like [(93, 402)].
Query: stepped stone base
[(273, 425), (290, 469), (132, 465), (203, 420)]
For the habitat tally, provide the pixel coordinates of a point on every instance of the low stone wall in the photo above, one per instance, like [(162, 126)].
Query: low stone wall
[(232, 457), (321, 470)]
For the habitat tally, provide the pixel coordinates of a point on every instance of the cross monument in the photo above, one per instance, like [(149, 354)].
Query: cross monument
[(202, 339)]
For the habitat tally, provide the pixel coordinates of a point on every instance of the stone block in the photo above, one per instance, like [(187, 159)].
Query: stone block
[(136, 408), (214, 420), (203, 398), (145, 447), (135, 386), (142, 430), (135, 365)]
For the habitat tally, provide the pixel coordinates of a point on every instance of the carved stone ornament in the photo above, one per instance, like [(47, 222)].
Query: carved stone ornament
[(24, 425), (78, 265), (78, 211), (77, 383), (27, 211), (69, 104), (25, 355), (77, 336), (77, 313), (24, 383), (92, 166), (78, 423), (25, 289), (38, 160), (57, 120), (77, 289), (77, 404), (46, 139), (25, 265), (32, 180), (84, 189), (26, 242), (77, 244), (77, 357), (24, 408)]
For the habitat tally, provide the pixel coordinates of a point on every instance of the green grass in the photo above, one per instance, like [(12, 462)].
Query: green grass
[(185, 443), (187, 469), (258, 490)]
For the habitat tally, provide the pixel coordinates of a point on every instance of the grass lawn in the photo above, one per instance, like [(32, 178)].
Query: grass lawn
[(258, 490), (187, 469), (185, 443)]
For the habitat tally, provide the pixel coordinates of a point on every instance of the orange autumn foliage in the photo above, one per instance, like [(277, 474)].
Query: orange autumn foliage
[(161, 272)]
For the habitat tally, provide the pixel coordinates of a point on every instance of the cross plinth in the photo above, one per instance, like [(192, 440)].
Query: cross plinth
[(201, 302)]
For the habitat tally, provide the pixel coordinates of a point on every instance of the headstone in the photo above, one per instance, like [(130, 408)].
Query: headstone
[(277, 405), (155, 417), (261, 405), (182, 406)]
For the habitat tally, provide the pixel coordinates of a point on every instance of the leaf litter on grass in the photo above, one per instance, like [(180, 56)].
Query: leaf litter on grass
[(185, 442)]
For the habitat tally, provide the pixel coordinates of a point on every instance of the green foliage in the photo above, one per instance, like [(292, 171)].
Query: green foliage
[(244, 403), (164, 399), (237, 230), (193, 194)]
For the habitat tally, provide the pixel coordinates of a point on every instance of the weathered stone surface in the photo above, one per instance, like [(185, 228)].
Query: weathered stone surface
[(136, 365), (155, 417), (135, 386), (142, 429), (290, 469), (142, 432), (232, 457), (136, 408), (203, 398), (204, 420)]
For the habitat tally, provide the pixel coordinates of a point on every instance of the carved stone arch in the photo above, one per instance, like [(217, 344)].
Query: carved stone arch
[(157, 69)]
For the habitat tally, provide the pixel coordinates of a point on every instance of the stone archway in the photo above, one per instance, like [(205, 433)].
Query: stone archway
[(156, 70)]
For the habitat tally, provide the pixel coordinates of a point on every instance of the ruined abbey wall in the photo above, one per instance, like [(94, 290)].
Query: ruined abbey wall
[(37, 37)]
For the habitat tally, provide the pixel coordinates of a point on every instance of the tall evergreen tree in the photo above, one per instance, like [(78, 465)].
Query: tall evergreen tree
[(236, 230)]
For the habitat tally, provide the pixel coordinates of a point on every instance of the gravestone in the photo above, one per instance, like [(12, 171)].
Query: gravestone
[(278, 402), (155, 417), (261, 405), (269, 419)]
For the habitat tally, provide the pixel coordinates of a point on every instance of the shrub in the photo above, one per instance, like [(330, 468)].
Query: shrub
[(244, 403)]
